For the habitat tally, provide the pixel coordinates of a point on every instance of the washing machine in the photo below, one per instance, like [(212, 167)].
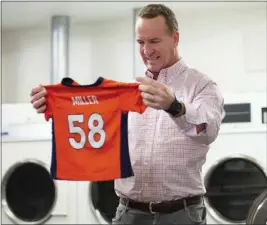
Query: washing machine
[(97, 202), (235, 169), (234, 172), (257, 212), (29, 195)]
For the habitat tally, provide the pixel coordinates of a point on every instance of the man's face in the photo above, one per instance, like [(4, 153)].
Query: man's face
[(156, 45)]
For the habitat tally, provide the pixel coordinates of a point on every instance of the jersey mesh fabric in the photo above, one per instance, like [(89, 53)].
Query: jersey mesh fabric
[(89, 128)]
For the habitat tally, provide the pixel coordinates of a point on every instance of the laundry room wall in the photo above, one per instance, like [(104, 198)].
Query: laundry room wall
[(227, 44), (95, 49)]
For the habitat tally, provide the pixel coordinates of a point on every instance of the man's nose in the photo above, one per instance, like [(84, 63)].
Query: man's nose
[(148, 51)]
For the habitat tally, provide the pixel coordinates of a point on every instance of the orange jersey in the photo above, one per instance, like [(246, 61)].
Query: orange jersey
[(90, 134)]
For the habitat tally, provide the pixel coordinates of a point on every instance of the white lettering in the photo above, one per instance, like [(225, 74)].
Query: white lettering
[(84, 100)]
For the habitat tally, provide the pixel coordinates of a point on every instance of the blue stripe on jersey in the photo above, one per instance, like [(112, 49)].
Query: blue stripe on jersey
[(126, 167), (53, 167)]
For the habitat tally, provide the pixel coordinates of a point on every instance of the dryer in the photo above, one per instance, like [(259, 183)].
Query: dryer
[(29, 195), (234, 172), (257, 212), (97, 202), (235, 169)]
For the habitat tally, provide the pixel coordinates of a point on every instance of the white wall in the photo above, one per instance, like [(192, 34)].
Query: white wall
[(95, 50), (228, 46)]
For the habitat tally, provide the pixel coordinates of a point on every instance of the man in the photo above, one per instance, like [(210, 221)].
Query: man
[(169, 142)]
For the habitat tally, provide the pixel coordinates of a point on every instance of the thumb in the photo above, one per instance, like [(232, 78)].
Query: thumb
[(140, 79)]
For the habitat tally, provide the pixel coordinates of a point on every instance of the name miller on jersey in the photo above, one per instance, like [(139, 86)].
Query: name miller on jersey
[(84, 100)]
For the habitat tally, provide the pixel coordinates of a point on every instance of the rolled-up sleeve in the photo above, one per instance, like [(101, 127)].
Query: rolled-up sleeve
[(206, 109)]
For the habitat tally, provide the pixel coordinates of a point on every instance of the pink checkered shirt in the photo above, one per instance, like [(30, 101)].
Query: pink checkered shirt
[(166, 153)]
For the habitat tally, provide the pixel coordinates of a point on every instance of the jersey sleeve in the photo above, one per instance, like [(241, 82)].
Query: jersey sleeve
[(51, 89), (50, 97), (49, 103), (130, 98)]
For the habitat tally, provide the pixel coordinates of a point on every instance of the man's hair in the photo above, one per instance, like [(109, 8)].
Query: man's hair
[(154, 10)]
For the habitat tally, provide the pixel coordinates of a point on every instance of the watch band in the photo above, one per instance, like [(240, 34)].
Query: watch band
[(175, 108)]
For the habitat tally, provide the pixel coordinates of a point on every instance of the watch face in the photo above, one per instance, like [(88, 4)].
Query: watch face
[(176, 109), (178, 106)]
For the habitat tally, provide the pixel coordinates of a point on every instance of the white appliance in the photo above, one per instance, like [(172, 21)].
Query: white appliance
[(238, 154), (97, 202), (257, 212), (235, 169), (29, 194)]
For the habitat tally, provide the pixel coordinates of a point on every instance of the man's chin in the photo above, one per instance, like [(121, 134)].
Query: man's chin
[(153, 69)]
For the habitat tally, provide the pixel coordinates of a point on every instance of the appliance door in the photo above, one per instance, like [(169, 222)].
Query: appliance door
[(257, 213), (103, 201), (28, 193), (232, 185)]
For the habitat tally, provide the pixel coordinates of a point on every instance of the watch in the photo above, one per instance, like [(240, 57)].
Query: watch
[(175, 108)]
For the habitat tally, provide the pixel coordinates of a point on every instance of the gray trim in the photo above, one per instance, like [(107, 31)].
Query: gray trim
[(59, 48), (237, 113), (264, 115)]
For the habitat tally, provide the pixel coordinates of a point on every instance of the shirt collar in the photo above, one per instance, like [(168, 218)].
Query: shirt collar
[(170, 72)]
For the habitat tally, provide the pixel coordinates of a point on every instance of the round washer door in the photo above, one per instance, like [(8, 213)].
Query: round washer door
[(232, 185), (257, 212), (104, 200), (28, 193)]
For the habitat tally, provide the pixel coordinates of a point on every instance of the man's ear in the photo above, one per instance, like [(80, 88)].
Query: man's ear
[(176, 38)]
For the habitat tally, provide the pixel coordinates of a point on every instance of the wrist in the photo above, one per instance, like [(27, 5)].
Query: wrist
[(176, 108)]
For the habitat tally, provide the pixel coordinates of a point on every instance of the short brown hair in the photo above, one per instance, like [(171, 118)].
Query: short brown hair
[(153, 10)]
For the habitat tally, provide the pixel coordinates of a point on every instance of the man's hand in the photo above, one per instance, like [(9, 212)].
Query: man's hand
[(155, 94), (38, 98)]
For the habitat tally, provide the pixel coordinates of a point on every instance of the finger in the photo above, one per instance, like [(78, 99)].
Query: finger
[(36, 90), (148, 88), (38, 95), (39, 103), (151, 104), (147, 96), (150, 81), (42, 109), (145, 80)]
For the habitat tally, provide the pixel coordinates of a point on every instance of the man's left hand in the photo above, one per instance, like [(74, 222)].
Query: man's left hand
[(155, 94)]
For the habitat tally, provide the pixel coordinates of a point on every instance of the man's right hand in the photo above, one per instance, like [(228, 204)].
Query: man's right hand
[(38, 100)]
